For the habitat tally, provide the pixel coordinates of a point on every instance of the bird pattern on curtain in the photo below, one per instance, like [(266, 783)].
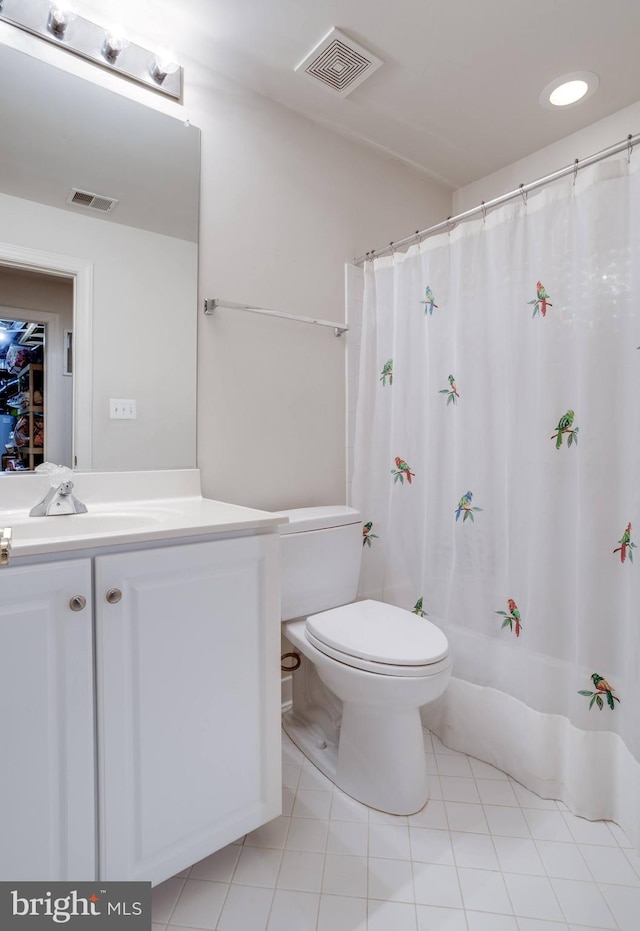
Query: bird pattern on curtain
[(585, 245)]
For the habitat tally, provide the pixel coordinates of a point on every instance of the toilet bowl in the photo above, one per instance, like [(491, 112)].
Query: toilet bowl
[(366, 667)]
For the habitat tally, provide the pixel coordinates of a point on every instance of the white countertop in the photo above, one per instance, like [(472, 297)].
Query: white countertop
[(124, 507)]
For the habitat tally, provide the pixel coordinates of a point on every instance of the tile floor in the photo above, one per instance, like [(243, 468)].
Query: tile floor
[(485, 854)]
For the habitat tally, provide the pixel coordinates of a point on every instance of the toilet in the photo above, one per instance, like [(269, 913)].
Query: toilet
[(366, 667)]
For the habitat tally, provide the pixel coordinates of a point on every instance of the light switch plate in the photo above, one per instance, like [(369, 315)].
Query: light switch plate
[(122, 409)]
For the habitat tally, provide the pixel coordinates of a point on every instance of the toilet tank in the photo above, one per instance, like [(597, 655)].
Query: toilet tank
[(321, 552)]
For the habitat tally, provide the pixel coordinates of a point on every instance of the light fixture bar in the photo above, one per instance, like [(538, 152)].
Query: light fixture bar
[(48, 20)]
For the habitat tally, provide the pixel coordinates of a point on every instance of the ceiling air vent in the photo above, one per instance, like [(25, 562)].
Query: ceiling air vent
[(92, 201), (339, 63)]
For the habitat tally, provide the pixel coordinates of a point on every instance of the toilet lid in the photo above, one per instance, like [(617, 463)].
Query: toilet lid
[(381, 633)]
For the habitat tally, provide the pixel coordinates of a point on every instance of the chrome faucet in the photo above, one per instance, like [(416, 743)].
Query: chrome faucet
[(58, 500)]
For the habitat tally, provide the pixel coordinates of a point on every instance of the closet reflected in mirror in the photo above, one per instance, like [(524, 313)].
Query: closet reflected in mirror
[(36, 392)]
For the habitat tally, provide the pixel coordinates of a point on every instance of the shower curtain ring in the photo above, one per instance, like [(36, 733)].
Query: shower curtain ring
[(575, 170), (629, 148), (393, 248), (523, 194), (484, 211)]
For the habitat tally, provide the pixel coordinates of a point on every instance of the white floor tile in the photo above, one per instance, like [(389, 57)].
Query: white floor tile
[(382, 916), (291, 775), (620, 835), (507, 822), (474, 851), (219, 866), (533, 897), (288, 798), (583, 903), (563, 861), (312, 778), (345, 808), (484, 891), (458, 789), (533, 924), (271, 834), (462, 816), (308, 834), (625, 905), (312, 803), (547, 825), (200, 904), (482, 770), (345, 876), (431, 846), (634, 859), (339, 913), (258, 866), (496, 792), (514, 861), (433, 815), (528, 799), (293, 911), (430, 761), (383, 817), (518, 855), (610, 865), (450, 764), (246, 908), (389, 841), (431, 918), (390, 879), (436, 885), (483, 921), (164, 898), (348, 837), (439, 747), (301, 872), (589, 832)]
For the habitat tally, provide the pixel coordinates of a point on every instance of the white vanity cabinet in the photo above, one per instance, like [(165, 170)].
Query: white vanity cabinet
[(47, 776), (188, 702), (170, 707)]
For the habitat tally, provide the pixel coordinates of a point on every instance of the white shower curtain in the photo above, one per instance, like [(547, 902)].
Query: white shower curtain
[(497, 469)]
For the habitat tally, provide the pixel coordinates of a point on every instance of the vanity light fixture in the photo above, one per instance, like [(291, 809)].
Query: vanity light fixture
[(569, 90), (108, 48)]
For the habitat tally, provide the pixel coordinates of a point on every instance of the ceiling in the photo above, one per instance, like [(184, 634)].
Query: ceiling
[(458, 93)]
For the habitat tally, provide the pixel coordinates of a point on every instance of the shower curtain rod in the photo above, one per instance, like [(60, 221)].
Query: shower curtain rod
[(522, 191), (211, 304)]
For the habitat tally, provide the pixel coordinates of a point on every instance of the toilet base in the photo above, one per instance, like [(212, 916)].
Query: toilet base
[(375, 756)]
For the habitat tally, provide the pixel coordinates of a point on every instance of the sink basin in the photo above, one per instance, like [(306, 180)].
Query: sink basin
[(77, 525)]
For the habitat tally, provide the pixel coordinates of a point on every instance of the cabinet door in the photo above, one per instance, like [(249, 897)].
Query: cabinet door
[(47, 799), (188, 675)]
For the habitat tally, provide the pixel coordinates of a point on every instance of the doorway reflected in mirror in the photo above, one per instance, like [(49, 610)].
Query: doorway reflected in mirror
[(35, 397)]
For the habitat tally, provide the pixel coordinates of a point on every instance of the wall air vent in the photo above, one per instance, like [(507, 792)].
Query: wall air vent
[(91, 201), (339, 63)]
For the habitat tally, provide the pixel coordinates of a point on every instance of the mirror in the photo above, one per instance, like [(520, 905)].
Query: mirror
[(124, 246)]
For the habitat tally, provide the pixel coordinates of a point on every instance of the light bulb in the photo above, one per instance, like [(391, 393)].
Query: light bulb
[(58, 20), (162, 65), (113, 44)]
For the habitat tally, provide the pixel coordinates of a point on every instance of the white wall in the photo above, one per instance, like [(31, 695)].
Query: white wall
[(144, 330), (582, 144), (284, 204)]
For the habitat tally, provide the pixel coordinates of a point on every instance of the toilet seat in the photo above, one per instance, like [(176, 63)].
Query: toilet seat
[(381, 638)]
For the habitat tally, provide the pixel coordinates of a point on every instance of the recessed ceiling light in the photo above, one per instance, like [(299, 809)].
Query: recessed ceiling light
[(569, 89)]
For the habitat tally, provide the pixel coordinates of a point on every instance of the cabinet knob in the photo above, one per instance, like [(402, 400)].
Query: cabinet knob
[(77, 603), (113, 596)]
